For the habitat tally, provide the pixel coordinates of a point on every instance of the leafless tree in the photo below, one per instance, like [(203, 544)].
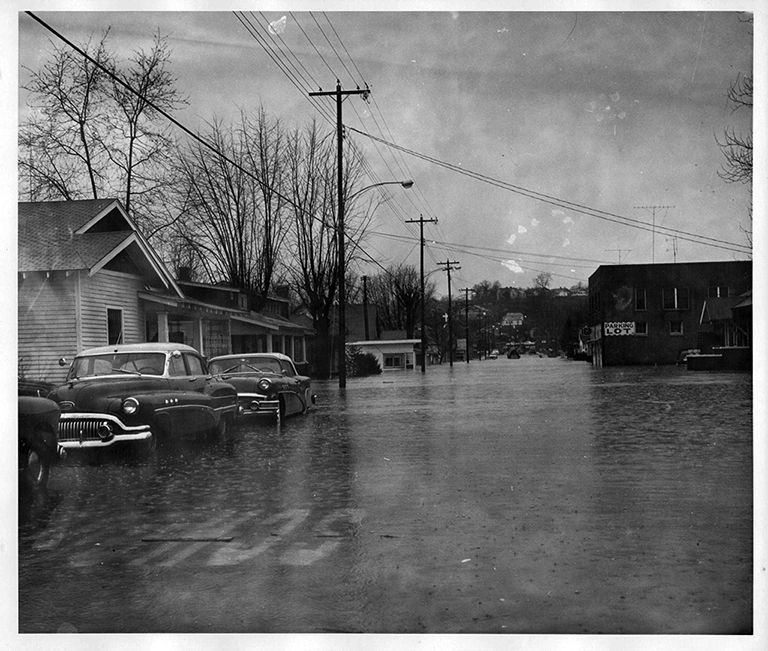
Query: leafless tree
[(542, 280), (312, 190), (139, 137), (735, 144), (61, 154), (232, 212), (88, 136), (396, 293)]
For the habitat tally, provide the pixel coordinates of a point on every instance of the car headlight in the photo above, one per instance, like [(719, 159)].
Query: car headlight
[(264, 384), (130, 406)]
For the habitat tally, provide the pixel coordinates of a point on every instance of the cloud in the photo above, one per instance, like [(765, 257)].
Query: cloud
[(513, 266), (566, 242), (568, 220), (557, 212), (522, 229), (535, 222), (512, 239)]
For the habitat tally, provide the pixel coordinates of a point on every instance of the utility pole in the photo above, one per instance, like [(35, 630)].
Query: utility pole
[(421, 221), (653, 210), (365, 306), (466, 319), (338, 93), (448, 268)]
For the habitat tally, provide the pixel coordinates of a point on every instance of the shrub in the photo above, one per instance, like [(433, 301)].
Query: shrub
[(360, 364)]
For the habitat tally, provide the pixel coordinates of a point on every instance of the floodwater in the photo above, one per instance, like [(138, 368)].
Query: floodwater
[(502, 496)]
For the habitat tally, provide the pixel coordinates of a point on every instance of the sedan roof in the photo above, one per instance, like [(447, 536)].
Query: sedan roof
[(150, 347)]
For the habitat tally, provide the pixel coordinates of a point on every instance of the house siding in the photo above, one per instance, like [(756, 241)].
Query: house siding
[(109, 289), (47, 314)]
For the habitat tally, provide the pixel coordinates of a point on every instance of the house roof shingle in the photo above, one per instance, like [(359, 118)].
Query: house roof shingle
[(48, 239)]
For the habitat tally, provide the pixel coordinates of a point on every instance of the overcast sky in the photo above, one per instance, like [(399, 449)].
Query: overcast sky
[(605, 116)]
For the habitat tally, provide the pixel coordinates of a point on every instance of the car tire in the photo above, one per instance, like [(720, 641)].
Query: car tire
[(36, 468)]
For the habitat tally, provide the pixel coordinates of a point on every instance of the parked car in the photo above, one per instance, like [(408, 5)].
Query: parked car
[(38, 439), (140, 393), (266, 383)]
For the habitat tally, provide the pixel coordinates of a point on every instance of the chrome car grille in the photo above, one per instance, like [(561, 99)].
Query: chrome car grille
[(70, 430), (83, 431)]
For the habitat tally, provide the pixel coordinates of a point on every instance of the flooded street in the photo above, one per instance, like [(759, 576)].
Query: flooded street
[(507, 496)]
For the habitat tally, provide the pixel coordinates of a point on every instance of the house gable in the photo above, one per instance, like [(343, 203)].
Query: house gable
[(87, 235)]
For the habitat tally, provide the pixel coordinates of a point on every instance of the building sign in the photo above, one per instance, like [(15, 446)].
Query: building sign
[(617, 328)]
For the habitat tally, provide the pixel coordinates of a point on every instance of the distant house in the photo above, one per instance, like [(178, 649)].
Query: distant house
[(512, 319), (87, 277), (393, 351), (725, 332), (655, 313)]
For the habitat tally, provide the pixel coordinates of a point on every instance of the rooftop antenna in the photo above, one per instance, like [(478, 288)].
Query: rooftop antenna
[(620, 251), (653, 210)]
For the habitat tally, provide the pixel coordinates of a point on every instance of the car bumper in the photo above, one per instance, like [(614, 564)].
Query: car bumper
[(254, 403), (77, 431)]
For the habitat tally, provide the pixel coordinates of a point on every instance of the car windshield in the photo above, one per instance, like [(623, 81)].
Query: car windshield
[(118, 364), (247, 365)]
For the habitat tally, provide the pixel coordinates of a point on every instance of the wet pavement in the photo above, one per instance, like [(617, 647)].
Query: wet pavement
[(502, 496)]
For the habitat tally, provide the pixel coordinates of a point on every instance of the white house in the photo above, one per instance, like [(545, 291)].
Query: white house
[(392, 354)]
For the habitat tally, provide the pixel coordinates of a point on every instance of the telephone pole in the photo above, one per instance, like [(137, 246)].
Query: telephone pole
[(653, 210), (421, 221), (339, 94), (449, 266), (466, 319), (365, 306)]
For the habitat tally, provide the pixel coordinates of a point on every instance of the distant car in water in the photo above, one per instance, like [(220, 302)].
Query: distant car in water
[(38, 434), (494, 354), (266, 383), (140, 394)]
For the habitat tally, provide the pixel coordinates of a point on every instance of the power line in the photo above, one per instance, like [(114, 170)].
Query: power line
[(563, 203), (292, 77)]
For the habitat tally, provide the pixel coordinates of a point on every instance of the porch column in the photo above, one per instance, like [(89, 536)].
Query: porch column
[(162, 326), (269, 341), (197, 335)]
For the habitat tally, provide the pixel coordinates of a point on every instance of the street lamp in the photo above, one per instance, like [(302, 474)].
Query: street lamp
[(342, 360)]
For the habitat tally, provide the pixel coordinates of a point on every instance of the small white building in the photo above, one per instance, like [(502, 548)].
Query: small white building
[(392, 354)]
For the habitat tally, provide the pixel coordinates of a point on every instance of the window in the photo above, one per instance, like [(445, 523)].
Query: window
[(675, 298), (640, 299), (641, 328), (194, 364), (114, 326), (393, 360), (676, 327), (176, 366), (718, 292)]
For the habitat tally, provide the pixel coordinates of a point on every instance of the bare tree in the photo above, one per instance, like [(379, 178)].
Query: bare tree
[(736, 145), (312, 189), (61, 154), (232, 211), (89, 136), (139, 138), (542, 280), (397, 296)]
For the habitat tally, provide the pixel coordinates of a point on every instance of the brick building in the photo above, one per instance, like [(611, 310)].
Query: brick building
[(652, 313)]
